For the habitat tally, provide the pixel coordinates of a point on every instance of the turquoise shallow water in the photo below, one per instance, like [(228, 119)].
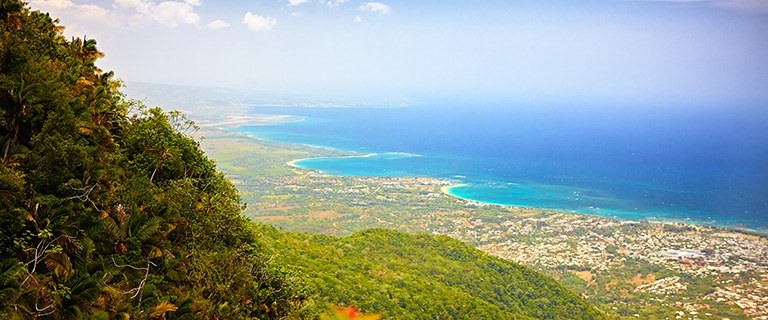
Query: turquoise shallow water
[(707, 169)]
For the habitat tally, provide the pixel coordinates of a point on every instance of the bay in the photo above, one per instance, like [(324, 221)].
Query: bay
[(698, 165)]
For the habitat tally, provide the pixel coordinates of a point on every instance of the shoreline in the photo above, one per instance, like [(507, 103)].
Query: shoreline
[(293, 164), (447, 189), (688, 221), (451, 183), (252, 120)]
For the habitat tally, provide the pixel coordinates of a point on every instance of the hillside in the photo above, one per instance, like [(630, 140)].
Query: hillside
[(407, 276), (109, 210)]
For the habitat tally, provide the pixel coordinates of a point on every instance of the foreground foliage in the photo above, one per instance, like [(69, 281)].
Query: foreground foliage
[(108, 210)]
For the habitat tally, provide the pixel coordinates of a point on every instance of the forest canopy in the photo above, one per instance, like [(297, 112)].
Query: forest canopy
[(108, 209)]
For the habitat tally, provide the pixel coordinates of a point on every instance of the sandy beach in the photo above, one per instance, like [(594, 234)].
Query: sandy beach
[(447, 189), (254, 120)]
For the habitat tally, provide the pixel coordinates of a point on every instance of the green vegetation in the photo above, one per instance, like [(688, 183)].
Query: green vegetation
[(110, 210), (408, 276)]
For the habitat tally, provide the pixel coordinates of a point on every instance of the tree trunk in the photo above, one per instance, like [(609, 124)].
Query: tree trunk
[(12, 136)]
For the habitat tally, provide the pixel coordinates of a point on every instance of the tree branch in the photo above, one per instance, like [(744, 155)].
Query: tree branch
[(137, 292), (86, 196)]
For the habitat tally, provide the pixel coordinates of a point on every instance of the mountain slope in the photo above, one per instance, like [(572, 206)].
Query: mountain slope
[(108, 210)]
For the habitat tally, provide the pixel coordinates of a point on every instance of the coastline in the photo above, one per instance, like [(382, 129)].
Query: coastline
[(653, 219), (450, 184), (647, 257), (447, 189), (252, 120), (611, 215), (614, 215), (293, 163)]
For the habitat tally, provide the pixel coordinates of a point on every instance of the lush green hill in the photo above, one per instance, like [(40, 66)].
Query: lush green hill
[(421, 276)]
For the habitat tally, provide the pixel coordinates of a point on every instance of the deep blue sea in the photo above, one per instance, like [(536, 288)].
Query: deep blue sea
[(700, 165)]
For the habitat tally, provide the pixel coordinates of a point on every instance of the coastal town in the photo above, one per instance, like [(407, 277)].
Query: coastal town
[(663, 270), (730, 264)]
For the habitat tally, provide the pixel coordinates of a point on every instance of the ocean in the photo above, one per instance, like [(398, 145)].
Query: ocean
[(696, 165)]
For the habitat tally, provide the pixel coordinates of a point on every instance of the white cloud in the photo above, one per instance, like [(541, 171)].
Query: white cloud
[(357, 19), (74, 13), (377, 7), (92, 10), (296, 2), (141, 6), (256, 22), (92, 17), (48, 5), (167, 13), (172, 13), (217, 24), (333, 3)]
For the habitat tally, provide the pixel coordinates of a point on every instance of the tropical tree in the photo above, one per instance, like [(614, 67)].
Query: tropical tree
[(110, 215)]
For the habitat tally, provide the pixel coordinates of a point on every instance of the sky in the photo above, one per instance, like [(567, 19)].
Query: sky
[(712, 52)]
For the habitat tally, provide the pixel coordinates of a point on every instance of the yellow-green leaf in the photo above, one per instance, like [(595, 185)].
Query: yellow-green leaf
[(161, 309)]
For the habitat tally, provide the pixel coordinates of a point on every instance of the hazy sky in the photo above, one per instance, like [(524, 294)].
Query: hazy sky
[(692, 51)]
